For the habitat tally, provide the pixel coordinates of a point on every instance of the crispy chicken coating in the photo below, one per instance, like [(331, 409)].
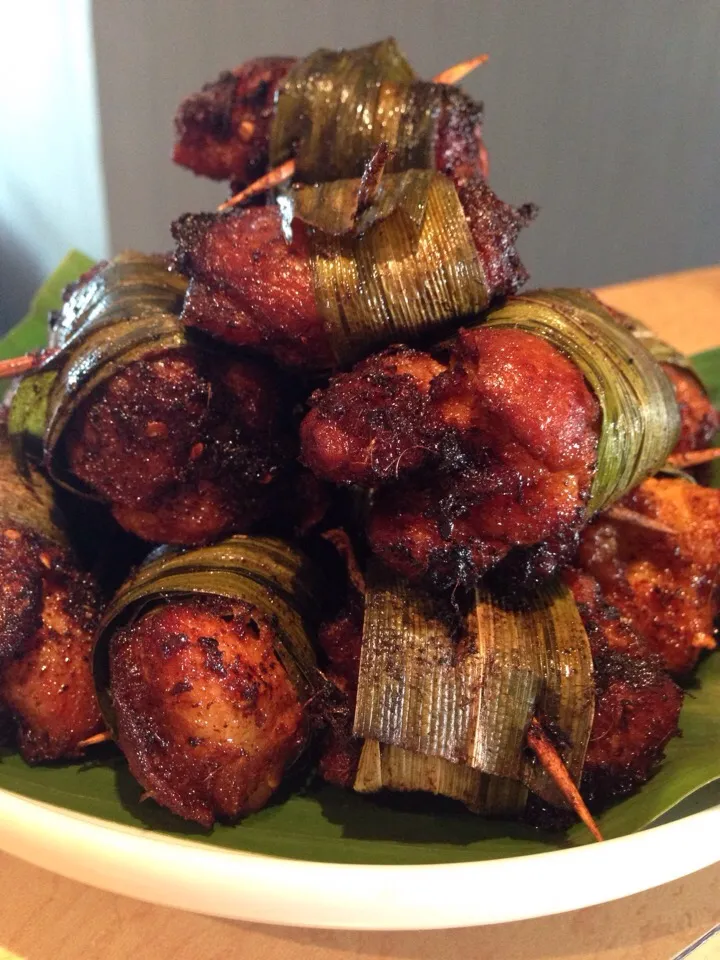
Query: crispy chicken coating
[(340, 640), (48, 614), (223, 131), (492, 452), (184, 446), (637, 704), (699, 420), (249, 287), (376, 423), (206, 715), (667, 586)]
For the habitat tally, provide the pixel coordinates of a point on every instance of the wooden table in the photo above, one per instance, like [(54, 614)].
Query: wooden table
[(44, 917)]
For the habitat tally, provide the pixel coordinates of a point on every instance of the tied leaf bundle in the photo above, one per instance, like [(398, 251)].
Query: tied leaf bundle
[(267, 573), (640, 417), (335, 107), (128, 310), (32, 509), (465, 693), (404, 267)]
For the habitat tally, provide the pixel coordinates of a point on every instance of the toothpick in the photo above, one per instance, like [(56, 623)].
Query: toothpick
[(552, 763), (14, 366), (624, 515), (694, 458), (98, 738), (271, 179), (455, 74)]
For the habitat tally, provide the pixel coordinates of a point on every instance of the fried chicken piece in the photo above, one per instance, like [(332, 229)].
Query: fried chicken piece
[(250, 288), (699, 420), (637, 704), (341, 639), (376, 422), (48, 614), (223, 132), (21, 589), (666, 586), (184, 446), (207, 717), (492, 453), (636, 714)]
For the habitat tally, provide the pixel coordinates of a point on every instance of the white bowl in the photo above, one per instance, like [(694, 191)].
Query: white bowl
[(243, 886)]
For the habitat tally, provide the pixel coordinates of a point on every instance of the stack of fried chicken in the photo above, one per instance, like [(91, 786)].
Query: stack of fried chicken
[(356, 390)]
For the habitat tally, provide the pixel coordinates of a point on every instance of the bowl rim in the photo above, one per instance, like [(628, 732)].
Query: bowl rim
[(177, 872)]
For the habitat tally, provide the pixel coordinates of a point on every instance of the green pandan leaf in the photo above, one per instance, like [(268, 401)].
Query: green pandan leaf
[(321, 823), (31, 332)]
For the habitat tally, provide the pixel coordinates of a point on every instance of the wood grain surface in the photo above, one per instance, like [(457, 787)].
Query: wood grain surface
[(44, 917)]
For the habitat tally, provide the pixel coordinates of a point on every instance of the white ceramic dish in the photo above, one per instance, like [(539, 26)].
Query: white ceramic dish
[(244, 886)]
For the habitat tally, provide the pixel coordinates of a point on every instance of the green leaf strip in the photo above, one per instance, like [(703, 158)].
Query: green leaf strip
[(335, 107), (383, 766), (640, 417), (27, 502), (394, 284)]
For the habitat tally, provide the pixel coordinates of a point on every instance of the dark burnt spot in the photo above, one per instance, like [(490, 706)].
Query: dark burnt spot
[(188, 231), (258, 95), (182, 686), (213, 655), (209, 112)]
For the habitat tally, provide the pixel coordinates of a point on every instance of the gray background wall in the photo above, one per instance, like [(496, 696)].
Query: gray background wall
[(605, 112)]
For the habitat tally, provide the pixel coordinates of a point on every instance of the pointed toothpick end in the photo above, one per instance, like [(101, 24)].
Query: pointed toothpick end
[(456, 73)]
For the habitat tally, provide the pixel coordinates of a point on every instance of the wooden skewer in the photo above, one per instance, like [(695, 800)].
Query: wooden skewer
[(14, 366), (541, 745), (455, 74), (624, 515), (277, 175), (694, 458), (271, 179), (103, 737)]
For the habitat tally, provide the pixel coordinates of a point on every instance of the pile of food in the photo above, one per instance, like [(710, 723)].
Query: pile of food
[(322, 482)]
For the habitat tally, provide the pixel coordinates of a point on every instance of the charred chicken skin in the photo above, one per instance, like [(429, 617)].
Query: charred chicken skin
[(665, 585), (206, 715), (48, 614), (637, 704), (223, 131), (341, 641), (698, 417), (184, 446), (250, 288), (493, 451)]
